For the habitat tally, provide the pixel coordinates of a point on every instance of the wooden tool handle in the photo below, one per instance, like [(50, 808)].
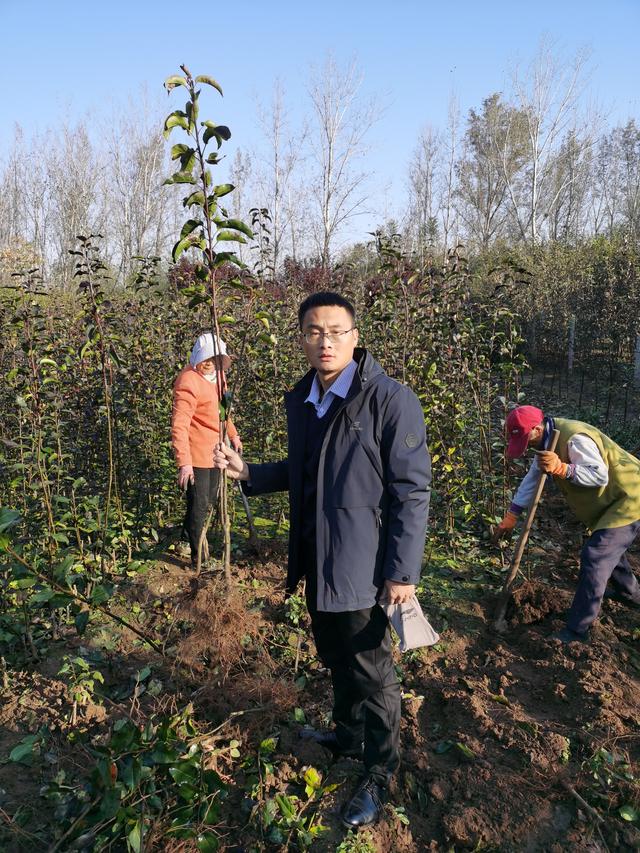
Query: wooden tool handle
[(522, 541)]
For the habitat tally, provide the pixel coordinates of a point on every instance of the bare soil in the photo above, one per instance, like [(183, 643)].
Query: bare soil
[(510, 743)]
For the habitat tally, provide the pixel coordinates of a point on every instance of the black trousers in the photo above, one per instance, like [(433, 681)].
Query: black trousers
[(200, 495), (355, 646)]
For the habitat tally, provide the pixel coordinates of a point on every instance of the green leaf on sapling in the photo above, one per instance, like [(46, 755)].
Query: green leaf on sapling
[(179, 149), (237, 225), (182, 178), (189, 226), (223, 189), (188, 161), (176, 119), (196, 197), (209, 81), (23, 752), (286, 806), (81, 621), (207, 842), (221, 132), (135, 836), (174, 81), (197, 300), (8, 518), (230, 236), (191, 110)]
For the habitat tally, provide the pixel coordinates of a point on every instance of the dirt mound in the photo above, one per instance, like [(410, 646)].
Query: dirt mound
[(217, 628), (534, 601)]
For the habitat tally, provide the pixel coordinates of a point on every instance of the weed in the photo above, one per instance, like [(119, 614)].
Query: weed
[(29, 747), (400, 814), (357, 842), (565, 754), (283, 816), (81, 680), (606, 768)]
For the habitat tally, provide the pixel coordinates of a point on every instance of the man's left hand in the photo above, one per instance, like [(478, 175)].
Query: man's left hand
[(397, 593), (236, 444), (550, 463)]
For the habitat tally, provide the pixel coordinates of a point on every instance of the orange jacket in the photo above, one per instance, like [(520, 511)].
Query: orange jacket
[(195, 420)]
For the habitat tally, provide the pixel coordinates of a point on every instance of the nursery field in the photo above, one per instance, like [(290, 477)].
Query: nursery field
[(509, 742), (145, 708)]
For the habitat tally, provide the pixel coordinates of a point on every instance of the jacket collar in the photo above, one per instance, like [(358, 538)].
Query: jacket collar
[(368, 370)]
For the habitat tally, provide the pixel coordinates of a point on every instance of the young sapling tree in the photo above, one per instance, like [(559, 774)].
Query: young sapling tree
[(207, 227)]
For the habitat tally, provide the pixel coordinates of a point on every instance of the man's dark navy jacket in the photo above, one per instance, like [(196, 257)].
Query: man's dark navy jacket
[(373, 488)]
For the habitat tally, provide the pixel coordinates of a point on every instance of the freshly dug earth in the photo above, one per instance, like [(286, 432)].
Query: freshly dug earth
[(510, 743)]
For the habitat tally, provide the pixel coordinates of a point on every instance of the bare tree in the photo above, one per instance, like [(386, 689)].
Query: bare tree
[(422, 217), (569, 190), (11, 195), (615, 195), (73, 179), (448, 212), (239, 176), (341, 121), (37, 199), (605, 192), (298, 217), (629, 148), (141, 210), (482, 189), (282, 154), (547, 96)]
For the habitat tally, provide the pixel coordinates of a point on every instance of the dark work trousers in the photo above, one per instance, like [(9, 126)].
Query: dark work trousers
[(356, 647), (603, 558), (200, 495)]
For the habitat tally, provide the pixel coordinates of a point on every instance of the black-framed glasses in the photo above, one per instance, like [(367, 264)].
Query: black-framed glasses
[(315, 336)]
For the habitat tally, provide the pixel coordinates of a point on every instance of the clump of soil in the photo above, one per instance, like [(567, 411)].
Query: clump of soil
[(219, 628), (533, 602)]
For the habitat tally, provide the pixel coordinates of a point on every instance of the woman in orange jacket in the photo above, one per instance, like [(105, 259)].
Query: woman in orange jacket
[(195, 430)]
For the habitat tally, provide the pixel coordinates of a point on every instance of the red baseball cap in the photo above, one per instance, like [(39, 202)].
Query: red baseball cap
[(520, 422)]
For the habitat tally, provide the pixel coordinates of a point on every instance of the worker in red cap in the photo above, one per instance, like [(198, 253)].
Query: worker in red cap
[(601, 483)]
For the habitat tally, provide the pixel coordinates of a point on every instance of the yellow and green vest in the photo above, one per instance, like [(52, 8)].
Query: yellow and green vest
[(613, 505)]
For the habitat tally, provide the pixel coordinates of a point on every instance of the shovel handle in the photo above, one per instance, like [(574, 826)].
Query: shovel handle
[(522, 541)]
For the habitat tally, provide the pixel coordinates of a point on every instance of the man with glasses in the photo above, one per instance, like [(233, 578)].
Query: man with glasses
[(358, 475)]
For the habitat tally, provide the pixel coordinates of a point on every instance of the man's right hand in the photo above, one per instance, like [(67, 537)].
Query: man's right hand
[(226, 459), (505, 529), (185, 476)]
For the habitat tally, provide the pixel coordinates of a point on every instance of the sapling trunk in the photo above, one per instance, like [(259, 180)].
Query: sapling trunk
[(89, 268), (204, 234)]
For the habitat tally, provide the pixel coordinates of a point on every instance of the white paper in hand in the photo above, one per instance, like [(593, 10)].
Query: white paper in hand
[(410, 624)]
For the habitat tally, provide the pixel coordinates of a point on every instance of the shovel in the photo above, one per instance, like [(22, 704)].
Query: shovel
[(500, 623)]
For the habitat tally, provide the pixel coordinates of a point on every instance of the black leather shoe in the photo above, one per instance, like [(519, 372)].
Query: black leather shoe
[(566, 635), (330, 741), (366, 805)]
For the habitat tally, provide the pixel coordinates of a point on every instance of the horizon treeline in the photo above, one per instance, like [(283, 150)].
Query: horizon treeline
[(528, 166)]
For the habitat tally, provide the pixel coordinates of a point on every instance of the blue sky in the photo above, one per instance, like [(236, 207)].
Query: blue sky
[(61, 58)]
